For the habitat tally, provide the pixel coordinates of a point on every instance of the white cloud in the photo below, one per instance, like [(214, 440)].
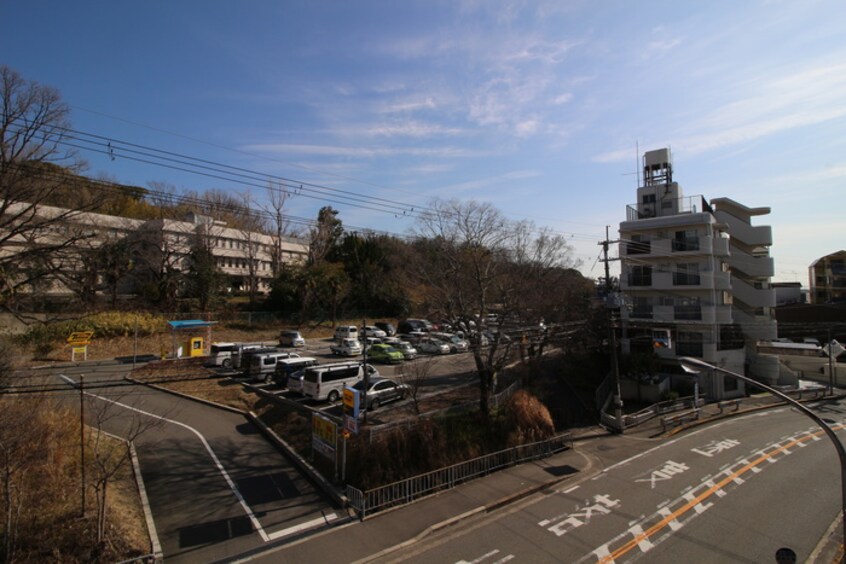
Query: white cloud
[(562, 98), (361, 152)]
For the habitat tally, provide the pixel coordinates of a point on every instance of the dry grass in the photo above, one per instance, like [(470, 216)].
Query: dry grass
[(44, 441), (189, 376)]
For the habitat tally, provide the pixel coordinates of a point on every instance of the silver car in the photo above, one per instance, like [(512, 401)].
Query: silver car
[(432, 346), (382, 390), (407, 350)]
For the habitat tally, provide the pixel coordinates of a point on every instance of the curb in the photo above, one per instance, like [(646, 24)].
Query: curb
[(722, 416), (186, 396), (298, 460), (158, 555)]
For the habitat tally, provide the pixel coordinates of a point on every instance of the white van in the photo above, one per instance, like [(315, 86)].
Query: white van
[(346, 332), (241, 349), (263, 365), (327, 381), (220, 354)]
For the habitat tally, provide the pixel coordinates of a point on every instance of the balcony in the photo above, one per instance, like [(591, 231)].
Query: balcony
[(757, 267), (748, 234), (688, 244), (751, 296)]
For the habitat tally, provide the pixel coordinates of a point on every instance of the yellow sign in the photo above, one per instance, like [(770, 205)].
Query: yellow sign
[(80, 338), (323, 429), (349, 398)]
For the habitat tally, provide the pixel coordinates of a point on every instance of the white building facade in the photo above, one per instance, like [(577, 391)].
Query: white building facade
[(699, 273)]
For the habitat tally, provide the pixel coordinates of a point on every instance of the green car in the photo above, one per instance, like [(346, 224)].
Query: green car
[(384, 353)]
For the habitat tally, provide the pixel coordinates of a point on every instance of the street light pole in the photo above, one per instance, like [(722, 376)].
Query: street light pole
[(690, 364)]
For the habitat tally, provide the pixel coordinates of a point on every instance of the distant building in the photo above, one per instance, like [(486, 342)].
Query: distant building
[(157, 244), (789, 293), (700, 272), (828, 279)]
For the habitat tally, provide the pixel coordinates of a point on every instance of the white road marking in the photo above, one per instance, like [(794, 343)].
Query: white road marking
[(645, 544), (672, 523), (303, 526), (214, 457)]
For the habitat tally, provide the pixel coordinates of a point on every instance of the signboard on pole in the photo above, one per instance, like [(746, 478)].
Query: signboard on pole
[(80, 338), (323, 435), (351, 410)]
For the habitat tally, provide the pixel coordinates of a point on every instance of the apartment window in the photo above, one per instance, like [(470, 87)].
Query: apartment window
[(689, 344), (639, 245), (686, 241), (640, 276), (642, 307), (686, 274), (688, 309)]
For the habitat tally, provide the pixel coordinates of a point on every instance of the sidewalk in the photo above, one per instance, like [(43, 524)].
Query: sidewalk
[(390, 531)]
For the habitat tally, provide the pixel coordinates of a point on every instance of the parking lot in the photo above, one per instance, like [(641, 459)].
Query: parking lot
[(427, 375)]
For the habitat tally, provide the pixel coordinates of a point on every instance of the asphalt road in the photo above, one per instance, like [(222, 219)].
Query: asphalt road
[(216, 487), (734, 491)]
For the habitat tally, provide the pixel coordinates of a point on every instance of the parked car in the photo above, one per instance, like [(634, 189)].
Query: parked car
[(327, 381), (295, 381), (346, 332), (432, 346), (456, 344), (384, 353), (242, 351), (412, 325), (291, 338), (241, 359), (412, 337), (288, 366), (381, 390), (407, 350), (368, 342), (372, 331), (389, 329), (220, 354), (347, 347), (393, 341), (263, 365)]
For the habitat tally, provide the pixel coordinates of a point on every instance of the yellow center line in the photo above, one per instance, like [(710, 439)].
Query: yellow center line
[(654, 529)]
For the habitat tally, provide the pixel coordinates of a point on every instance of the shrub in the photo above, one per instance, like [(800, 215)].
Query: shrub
[(530, 418), (107, 324)]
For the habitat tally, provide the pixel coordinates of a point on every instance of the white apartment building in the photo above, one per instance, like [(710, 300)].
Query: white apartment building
[(700, 273)]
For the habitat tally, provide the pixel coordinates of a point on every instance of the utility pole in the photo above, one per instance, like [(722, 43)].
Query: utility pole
[(830, 365), (612, 337), (364, 366), (82, 436)]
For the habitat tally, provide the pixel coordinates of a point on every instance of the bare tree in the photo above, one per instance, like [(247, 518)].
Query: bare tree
[(463, 255), (251, 226), (413, 375), (23, 445), (279, 226), (475, 261), (35, 163), (109, 456)]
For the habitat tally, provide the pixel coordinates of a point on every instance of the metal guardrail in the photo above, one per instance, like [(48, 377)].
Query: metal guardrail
[(416, 487)]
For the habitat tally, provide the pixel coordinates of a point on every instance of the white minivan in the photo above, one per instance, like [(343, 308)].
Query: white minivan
[(220, 354), (263, 365), (327, 381), (346, 332)]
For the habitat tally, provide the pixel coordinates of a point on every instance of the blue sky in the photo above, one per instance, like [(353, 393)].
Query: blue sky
[(536, 107)]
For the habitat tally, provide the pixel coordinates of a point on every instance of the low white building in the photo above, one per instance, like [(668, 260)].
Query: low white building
[(241, 255)]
